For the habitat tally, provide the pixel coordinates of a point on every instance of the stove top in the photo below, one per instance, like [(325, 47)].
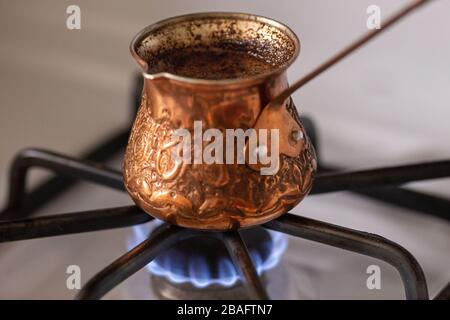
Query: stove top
[(307, 270)]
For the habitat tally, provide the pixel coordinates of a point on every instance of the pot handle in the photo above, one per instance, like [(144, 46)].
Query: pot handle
[(275, 114)]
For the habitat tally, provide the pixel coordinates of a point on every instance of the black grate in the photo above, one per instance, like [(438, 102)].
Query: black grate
[(380, 182)]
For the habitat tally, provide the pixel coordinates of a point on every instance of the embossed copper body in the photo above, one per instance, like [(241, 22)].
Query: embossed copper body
[(215, 196)]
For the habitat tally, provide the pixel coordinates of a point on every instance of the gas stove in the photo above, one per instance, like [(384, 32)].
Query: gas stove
[(296, 256), (258, 263)]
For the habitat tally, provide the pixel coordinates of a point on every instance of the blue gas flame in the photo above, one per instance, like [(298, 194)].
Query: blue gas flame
[(198, 271)]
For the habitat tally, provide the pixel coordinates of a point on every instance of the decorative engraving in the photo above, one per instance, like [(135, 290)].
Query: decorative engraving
[(216, 196)]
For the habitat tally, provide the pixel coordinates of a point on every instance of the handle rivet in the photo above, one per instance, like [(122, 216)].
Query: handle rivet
[(297, 135)]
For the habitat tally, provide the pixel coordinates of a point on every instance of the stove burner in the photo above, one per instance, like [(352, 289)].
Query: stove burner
[(203, 261)]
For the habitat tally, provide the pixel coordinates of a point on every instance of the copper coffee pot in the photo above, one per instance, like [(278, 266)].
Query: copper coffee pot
[(222, 196), (216, 196)]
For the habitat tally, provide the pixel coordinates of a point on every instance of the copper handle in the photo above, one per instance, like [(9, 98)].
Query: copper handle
[(275, 115)]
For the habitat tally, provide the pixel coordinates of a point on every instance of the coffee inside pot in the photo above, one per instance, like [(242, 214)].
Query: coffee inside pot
[(233, 61)]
